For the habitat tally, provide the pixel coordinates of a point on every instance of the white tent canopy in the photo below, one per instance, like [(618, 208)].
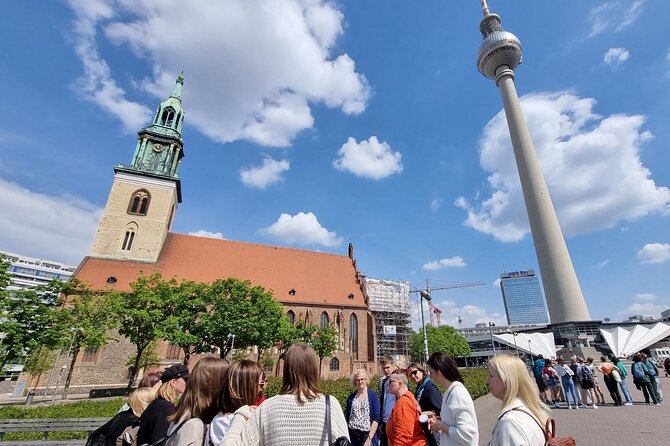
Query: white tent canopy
[(627, 341), (533, 343)]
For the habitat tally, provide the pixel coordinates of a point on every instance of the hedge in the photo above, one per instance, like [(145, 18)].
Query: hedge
[(475, 381)]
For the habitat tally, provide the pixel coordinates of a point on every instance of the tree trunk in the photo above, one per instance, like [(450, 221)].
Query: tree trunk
[(66, 388), (136, 367), (320, 361), (258, 358), (187, 355)]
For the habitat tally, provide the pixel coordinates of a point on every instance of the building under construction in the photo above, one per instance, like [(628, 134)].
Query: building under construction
[(389, 303)]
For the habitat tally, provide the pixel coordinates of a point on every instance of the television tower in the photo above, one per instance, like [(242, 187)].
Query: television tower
[(498, 56)]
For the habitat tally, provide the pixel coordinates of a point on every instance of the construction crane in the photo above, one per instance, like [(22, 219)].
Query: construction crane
[(435, 312)]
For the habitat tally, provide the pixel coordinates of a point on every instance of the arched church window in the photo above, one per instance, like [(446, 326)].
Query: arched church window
[(176, 123), (290, 315), (128, 240), (167, 118), (139, 202), (325, 320), (334, 365), (353, 332)]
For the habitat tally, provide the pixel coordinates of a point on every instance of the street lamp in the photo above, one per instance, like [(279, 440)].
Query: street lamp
[(530, 353), (492, 324), (424, 294), (516, 349), (232, 344)]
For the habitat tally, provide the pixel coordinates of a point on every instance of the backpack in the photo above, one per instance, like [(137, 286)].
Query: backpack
[(585, 373), (638, 370), (538, 368)]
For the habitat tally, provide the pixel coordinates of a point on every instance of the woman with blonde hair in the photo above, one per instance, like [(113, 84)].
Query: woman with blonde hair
[(362, 411), (522, 416), (196, 407), (130, 418), (297, 415), (241, 387)]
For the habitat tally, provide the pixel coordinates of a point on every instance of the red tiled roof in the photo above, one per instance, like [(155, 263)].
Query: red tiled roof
[(317, 278)]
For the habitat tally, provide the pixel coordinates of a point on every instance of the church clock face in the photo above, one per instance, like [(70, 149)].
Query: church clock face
[(157, 148)]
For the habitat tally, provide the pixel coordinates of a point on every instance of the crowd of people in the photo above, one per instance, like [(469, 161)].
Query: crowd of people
[(219, 404), (577, 383)]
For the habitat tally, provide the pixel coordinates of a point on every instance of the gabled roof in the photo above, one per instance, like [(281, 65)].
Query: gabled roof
[(317, 278), (627, 341)]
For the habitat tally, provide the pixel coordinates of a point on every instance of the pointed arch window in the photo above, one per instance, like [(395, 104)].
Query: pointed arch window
[(353, 332), (128, 240), (325, 320), (334, 365), (167, 118), (290, 315), (139, 202)]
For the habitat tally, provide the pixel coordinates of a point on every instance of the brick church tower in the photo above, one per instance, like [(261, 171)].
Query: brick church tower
[(143, 199)]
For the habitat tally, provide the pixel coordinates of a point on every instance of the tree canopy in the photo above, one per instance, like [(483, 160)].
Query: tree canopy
[(443, 339)]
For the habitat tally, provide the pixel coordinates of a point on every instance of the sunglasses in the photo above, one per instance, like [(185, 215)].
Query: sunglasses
[(415, 372)]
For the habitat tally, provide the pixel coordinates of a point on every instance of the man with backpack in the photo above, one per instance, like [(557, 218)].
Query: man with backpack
[(587, 380), (652, 372), (641, 379)]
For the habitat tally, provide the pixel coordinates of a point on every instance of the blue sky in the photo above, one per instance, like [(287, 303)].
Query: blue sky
[(312, 123)]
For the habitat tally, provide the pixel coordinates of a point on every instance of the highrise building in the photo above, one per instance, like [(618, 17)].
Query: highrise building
[(498, 56), (29, 272), (522, 296)]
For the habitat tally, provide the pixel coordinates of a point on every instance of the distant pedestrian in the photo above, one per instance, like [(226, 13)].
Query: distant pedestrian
[(596, 384), (522, 416), (641, 379), (587, 379), (623, 373), (666, 365), (607, 369), (553, 382), (458, 421), (566, 374), (652, 371), (538, 372), (576, 379)]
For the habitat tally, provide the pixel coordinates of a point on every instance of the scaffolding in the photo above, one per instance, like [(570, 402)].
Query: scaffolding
[(390, 306)]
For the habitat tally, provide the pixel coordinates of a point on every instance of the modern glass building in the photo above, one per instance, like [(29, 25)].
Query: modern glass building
[(522, 296)]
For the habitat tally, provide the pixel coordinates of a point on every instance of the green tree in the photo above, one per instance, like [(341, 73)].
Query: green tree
[(186, 309), (240, 309), (324, 342), (39, 361), (141, 313), (24, 316), (148, 359), (82, 320), (443, 339)]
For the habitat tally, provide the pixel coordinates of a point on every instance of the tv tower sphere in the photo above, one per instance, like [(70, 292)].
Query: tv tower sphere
[(498, 48)]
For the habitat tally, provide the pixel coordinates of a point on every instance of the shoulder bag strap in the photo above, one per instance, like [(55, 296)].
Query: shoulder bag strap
[(164, 439), (547, 432), (330, 434)]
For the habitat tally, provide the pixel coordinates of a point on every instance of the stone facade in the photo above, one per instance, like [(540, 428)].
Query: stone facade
[(150, 229)]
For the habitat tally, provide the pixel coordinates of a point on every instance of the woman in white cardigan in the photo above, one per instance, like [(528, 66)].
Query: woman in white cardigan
[(457, 423), (297, 415), (522, 416)]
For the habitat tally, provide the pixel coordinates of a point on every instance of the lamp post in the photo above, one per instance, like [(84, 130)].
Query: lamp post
[(424, 294), (493, 345), (516, 349), (530, 353)]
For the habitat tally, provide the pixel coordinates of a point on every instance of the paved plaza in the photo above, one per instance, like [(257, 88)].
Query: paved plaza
[(606, 426)]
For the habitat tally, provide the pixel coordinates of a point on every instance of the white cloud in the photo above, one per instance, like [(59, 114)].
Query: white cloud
[(303, 229), (46, 226), (642, 309), (469, 314), (654, 253), (616, 56), (614, 16), (435, 204), (207, 234), (266, 62), (368, 159), (580, 152), (603, 264), (645, 297), (262, 176), (451, 262)]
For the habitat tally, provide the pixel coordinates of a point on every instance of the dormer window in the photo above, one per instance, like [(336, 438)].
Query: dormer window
[(139, 203), (167, 118)]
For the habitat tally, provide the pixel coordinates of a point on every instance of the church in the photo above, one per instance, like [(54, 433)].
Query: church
[(134, 235)]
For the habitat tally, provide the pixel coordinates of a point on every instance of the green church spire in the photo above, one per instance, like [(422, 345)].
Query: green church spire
[(160, 147)]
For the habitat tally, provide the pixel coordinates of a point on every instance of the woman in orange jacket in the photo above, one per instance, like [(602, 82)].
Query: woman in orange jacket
[(403, 427)]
